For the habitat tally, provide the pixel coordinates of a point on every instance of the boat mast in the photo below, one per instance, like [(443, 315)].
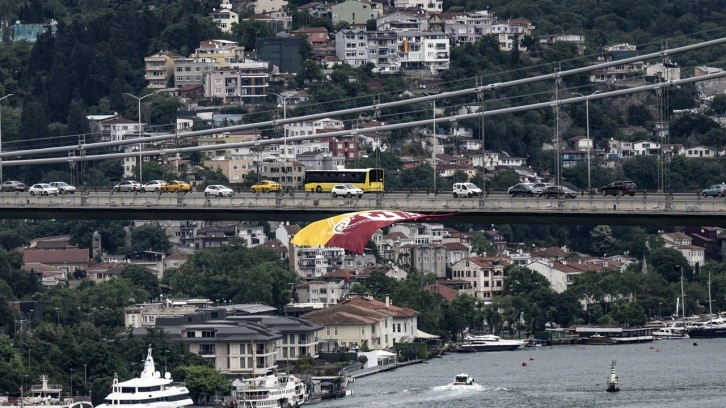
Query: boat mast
[(683, 296), (710, 312)]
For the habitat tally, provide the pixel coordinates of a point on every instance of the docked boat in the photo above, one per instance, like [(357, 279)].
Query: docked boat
[(670, 332), (149, 390), (269, 391), (710, 329), (45, 395), (463, 379), (598, 339), (488, 342)]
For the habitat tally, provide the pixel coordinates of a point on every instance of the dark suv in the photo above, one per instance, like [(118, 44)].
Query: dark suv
[(619, 187)]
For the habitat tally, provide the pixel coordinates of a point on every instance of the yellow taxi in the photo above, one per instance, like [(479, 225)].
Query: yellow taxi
[(176, 186), (266, 186)]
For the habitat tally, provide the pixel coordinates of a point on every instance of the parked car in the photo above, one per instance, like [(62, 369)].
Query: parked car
[(266, 186), (523, 189), (466, 190), (176, 186), (346, 190), (127, 186), (716, 190), (153, 186), (620, 187), (218, 190), (12, 185), (558, 192), (43, 189), (63, 187)]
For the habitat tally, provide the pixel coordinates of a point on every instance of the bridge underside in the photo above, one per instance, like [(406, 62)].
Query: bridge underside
[(309, 215)]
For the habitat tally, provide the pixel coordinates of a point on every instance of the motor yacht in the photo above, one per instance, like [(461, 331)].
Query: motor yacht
[(463, 379)]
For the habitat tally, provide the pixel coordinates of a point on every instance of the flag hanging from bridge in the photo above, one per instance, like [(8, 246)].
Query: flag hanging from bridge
[(351, 231)]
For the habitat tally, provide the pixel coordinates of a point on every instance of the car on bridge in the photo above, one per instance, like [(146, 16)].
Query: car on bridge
[(619, 188), (12, 185), (63, 187), (346, 190), (127, 186), (153, 186), (716, 190), (523, 189), (176, 186), (43, 189), (218, 190), (558, 192), (466, 190), (266, 186)]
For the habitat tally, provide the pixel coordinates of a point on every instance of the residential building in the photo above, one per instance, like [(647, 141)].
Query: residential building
[(223, 52), (546, 41), (430, 6), (423, 50), (711, 87), (266, 6), (354, 12), (290, 174), (511, 31), (253, 235), (711, 239), (695, 255), (662, 71), (159, 69), (190, 71), (560, 274), (314, 35), (424, 257), (245, 83), (351, 46), (404, 20), (312, 263), (320, 160), (632, 72), (316, 9), (225, 17), (484, 275), (699, 152), (243, 344), (283, 53), (467, 27), (56, 252), (318, 291)]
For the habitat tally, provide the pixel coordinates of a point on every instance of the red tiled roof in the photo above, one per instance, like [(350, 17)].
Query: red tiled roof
[(373, 304), (446, 292), (55, 256)]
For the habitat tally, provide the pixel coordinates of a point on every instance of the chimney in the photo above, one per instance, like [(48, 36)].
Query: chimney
[(388, 302)]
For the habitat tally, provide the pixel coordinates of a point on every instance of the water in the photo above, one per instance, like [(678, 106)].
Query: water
[(666, 373)]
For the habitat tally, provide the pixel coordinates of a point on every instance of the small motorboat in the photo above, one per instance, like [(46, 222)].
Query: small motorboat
[(463, 379), (613, 381)]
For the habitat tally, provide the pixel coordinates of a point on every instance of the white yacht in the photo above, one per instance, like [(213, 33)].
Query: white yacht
[(149, 390), (670, 332), (488, 342), (269, 391), (45, 395), (463, 379)]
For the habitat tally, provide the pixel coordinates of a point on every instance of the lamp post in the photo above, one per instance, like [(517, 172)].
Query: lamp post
[(57, 316), (141, 145), (72, 370), (589, 142), (1, 138), (85, 377), (284, 130)]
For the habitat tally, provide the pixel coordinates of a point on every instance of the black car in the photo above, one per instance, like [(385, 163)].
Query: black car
[(12, 185), (620, 187), (523, 189), (558, 192)]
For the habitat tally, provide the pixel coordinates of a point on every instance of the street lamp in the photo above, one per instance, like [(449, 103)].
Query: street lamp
[(141, 145), (85, 377), (57, 315), (1, 139), (72, 370), (589, 142), (284, 130)]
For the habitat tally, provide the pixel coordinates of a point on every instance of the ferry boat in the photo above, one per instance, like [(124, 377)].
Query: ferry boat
[(269, 391), (45, 395), (612, 334), (149, 390)]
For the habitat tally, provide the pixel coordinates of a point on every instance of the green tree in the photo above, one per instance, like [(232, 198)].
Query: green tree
[(144, 278), (522, 281), (602, 239), (482, 246), (203, 381), (150, 238)]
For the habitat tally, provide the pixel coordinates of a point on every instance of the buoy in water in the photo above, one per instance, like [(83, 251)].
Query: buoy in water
[(524, 364), (613, 380), (531, 359), (695, 344)]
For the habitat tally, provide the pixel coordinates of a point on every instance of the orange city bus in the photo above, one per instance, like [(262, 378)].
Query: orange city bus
[(322, 181)]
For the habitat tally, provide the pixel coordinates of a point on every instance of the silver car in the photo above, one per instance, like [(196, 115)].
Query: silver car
[(218, 190), (346, 190), (126, 186), (153, 186), (12, 185), (63, 187)]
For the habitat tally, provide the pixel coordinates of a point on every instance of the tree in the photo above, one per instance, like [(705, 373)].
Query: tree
[(202, 381), (522, 281), (482, 246), (150, 238), (602, 239), (144, 278)]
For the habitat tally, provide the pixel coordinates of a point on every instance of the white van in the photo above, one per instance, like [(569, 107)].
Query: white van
[(466, 190)]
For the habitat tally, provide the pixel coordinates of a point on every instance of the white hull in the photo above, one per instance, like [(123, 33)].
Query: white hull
[(269, 391)]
